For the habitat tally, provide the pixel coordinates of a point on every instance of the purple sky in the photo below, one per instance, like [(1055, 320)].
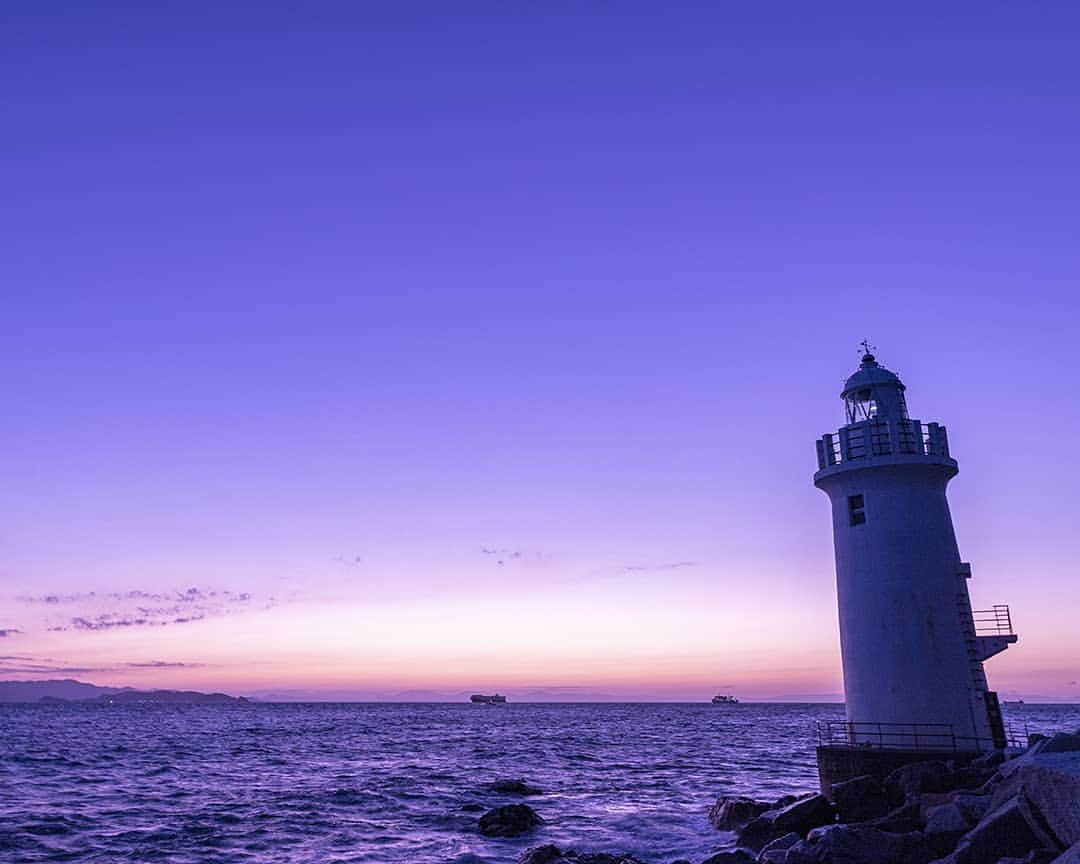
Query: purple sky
[(307, 307)]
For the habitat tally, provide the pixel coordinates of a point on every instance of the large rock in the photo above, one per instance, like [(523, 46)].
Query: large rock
[(910, 781), (513, 787), (945, 825), (860, 799), (775, 851), (805, 814), (512, 820), (784, 800), (756, 833), (1062, 742), (989, 762), (1070, 855), (1003, 833), (929, 800), (545, 854), (970, 777), (799, 817), (731, 812), (974, 807), (855, 844), (1051, 786), (1035, 856), (735, 856), (572, 857), (551, 854), (902, 820), (800, 853), (1010, 766)]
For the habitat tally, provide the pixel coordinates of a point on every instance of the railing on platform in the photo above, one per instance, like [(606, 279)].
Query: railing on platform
[(995, 621), (877, 437), (938, 737), (906, 736)]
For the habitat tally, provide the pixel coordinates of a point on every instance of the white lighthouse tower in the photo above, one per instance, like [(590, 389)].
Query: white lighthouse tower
[(912, 647)]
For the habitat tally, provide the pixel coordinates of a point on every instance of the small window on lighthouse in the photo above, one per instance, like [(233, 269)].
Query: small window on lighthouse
[(856, 509)]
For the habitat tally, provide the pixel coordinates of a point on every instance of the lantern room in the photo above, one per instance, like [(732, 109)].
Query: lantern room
[(873, 393)]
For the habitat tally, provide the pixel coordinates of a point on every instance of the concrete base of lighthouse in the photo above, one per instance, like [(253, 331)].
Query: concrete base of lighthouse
[(838, 763)]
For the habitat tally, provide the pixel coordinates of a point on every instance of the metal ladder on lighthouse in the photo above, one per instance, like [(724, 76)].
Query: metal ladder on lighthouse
[(978, 673)]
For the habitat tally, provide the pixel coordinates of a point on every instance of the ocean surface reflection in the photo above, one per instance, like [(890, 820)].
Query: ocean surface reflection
[(392, 782)]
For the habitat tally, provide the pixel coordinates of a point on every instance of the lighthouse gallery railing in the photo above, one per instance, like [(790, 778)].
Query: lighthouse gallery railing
[(882, 438)]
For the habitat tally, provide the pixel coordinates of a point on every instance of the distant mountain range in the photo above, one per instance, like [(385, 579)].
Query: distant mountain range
[(69, 690)]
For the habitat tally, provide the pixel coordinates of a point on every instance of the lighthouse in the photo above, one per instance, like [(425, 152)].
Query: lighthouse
[(911, 645)]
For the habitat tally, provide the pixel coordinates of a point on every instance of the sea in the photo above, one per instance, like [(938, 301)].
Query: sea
[(196, 784)]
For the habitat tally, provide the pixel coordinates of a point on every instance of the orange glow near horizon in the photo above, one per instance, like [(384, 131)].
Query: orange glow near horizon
[(652, 642)]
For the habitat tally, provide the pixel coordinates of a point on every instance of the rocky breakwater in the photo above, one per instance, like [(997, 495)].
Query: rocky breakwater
[(1022, 810), (992, 811)]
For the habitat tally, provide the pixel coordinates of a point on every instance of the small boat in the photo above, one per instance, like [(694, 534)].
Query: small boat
[(493, 699), (724, 699), (1014, 701)]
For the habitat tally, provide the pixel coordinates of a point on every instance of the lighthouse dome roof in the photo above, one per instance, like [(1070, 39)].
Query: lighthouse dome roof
[(869, 375)]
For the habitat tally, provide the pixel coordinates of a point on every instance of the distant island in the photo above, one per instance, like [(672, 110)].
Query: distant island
[(68, 690)]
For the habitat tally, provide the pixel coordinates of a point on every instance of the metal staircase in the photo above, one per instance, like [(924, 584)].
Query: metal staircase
[(986, 632)]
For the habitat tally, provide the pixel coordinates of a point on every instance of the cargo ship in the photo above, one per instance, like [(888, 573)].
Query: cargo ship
[(481, 699)]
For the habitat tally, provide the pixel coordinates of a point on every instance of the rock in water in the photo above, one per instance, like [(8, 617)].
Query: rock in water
[(797, 818), (854, 844), (784, 800), (860, 799), (735, 856), (510, 820), (551, 854), (514, 787), (733, 811), (757, 833), (545, 854), (805, 814), (775, 851)]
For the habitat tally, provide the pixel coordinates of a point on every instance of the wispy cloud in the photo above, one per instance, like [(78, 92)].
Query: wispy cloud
[(110, 610), (646, 568), (111, 620), (502, 556), (189, 595), (8, 631), (23, 664)]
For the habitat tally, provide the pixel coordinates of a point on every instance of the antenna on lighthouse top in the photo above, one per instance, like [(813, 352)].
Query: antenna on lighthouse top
[(868, 356)]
